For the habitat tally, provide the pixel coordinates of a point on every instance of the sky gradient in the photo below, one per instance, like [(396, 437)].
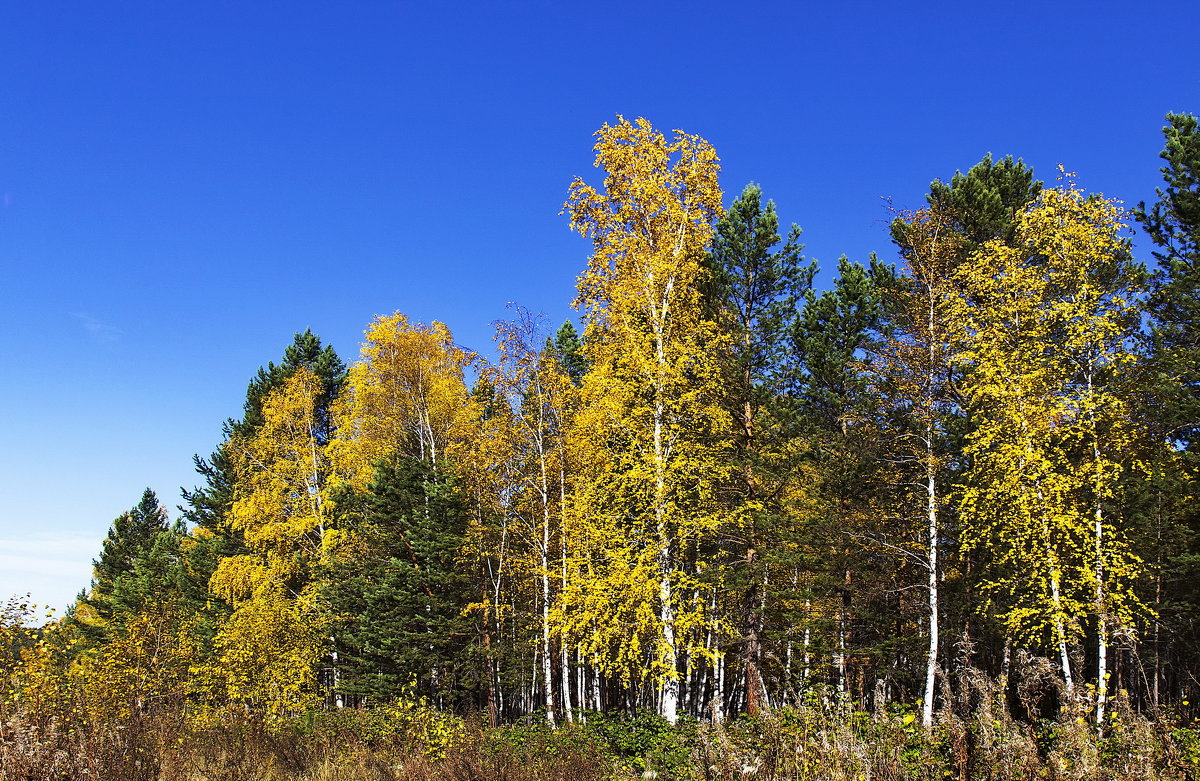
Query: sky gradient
[(185, 185)]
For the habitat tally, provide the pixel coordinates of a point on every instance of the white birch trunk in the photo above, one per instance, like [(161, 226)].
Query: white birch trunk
[(931, 659)]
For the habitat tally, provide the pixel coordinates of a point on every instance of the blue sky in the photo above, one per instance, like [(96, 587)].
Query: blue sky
[(185, 185)]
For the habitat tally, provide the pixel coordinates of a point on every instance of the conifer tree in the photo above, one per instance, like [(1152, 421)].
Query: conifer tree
[(570, 351), (130, 566), (754, 290), (984, 203), (400, 590), (1173, 224), (832, 413)]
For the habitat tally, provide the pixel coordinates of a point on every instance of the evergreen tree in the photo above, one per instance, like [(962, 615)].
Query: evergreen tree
[(753, 290), (985, 202), (832, 412), (569, 346), (399, 592), (1173, 408), (134, 559), (828, 340), (129, 539), (1173, 224)]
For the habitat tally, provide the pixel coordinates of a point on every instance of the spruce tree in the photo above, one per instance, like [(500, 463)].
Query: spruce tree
[(400, 593), (136, 560), (569, 345)]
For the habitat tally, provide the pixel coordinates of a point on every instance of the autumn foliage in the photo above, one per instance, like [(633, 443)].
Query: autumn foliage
[(937, 520)]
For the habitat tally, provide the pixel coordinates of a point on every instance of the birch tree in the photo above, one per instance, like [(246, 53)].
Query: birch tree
[(913, 369), (1049, 324), (649, 416)]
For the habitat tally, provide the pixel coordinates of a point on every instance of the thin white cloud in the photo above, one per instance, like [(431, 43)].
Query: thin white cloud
[(100, 331), (52, 570)]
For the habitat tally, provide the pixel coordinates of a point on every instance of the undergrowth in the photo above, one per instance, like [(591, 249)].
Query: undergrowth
[(975, 736)]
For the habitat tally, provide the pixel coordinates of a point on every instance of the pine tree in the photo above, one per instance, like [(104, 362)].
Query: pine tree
[(1173, 406), (829, 339), (1173, 224), (832, 413), (753, 291), (984, 203)]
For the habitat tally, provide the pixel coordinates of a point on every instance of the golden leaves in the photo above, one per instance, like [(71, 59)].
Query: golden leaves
[(405, 394), (648, 437), (1047, 362)]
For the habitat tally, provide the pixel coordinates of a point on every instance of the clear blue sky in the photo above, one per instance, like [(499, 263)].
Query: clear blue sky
[(184, 185)]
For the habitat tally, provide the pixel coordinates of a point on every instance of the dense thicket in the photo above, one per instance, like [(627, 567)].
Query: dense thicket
[(730, 493)]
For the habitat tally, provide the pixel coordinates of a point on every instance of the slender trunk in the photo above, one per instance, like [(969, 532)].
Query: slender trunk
[(1060, 628), (1060, 631), (568, 708), (931, 509), (931, 658), (1005, 665), (718, 701), (596, 701), (1101, 638), (493, 704), (493, 716), (1098, 528), (670, 684), (339, 699), (580, 682), (807, 656), (547, 675), (532, 690), (669, 701), (568, 705)]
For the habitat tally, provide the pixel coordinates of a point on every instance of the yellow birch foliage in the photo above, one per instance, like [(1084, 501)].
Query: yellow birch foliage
[(268, 648), (267, 653), (647, 438), (279, 506), (148, 666), (1047, 324), (406, 393)]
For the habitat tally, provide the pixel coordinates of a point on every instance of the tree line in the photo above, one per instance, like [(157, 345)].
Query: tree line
[(729, 491)]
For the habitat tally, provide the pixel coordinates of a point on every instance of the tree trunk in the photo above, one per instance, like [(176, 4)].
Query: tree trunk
[(931, 657)]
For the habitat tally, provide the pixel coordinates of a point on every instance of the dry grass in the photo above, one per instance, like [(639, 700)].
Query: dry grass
[(976, 736)]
